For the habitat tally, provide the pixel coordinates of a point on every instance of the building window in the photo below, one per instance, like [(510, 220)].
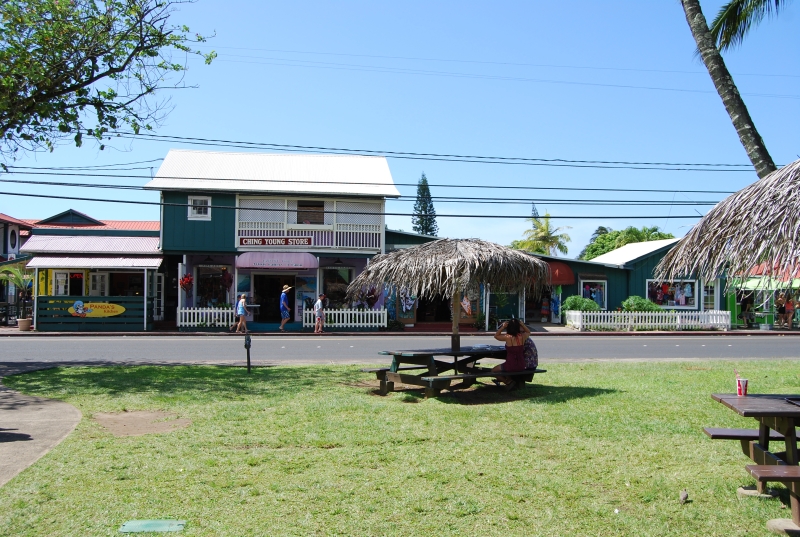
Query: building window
[(595, 290), (12, 239), (680, 294), (213, 286), (199, 208), (709, 296), (311, 212), (334, 285)]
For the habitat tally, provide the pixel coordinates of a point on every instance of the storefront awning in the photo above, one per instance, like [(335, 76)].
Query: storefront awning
[(560, 273), (40, 262), (277, 260)]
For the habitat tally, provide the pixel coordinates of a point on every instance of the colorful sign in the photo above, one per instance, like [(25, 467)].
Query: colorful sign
[(95, 309), (275, 241)]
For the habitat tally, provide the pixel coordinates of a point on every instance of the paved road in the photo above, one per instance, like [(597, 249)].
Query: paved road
[(364, 350)]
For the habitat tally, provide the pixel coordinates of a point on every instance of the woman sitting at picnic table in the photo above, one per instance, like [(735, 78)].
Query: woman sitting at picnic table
[(514, 338)]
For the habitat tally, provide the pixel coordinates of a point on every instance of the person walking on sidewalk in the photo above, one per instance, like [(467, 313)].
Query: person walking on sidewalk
[(284, 307), (319, 313), (242, 311)]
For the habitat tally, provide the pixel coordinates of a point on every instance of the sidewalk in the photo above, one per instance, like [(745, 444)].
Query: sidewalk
[(538, 329), (29, 426)]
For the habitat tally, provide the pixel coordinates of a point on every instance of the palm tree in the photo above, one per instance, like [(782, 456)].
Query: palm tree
[(737, 17), (19, 278), (645, 234), (723, 82), (543, 237)]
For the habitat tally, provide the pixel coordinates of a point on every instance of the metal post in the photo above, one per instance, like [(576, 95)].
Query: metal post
[(455, 339), (486, 305), (247, 343), (35, 298), (144, 292)]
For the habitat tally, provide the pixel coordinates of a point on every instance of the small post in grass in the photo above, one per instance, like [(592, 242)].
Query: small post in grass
[(247, 346)]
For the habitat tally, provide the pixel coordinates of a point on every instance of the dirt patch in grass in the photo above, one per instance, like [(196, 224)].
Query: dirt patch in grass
[(140, 422)]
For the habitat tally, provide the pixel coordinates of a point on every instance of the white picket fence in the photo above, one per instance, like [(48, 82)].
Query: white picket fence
[(348, 318), (206, 317), (626, 321)]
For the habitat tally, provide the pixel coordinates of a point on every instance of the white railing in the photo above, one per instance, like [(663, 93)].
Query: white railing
[(626, 321), (206, 317), (350, 236), (348, 318)]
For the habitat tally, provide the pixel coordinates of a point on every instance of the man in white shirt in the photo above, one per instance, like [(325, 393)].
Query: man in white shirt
[(319, 313)]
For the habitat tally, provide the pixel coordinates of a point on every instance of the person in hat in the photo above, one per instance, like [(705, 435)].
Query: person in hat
[(242, 312), (319, 313), (285, 312)]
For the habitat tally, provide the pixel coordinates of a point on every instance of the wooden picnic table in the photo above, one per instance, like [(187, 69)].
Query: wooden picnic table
[(774, 414), (429, 364)]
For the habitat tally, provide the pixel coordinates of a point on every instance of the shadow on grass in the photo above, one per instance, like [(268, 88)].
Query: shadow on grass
[(221, 382), (485, 394)]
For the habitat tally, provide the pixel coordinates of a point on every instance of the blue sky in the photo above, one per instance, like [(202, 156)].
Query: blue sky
[(523, 79)]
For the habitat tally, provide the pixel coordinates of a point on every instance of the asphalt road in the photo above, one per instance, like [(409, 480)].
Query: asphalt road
[(288, 350)]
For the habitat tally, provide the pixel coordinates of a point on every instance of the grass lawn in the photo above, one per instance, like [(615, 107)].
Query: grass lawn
[(591, 449)]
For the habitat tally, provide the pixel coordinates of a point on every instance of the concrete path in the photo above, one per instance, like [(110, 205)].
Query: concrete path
[(29, 426)]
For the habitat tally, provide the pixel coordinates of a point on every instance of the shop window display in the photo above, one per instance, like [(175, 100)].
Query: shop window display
[(334, 285), (673, 294), (213, 284), (594, 290)]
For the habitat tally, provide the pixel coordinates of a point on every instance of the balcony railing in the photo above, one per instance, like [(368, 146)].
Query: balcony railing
[(345, 236)]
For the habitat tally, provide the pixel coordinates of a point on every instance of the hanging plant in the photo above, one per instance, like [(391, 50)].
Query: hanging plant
[(226, 279), (186, 283)]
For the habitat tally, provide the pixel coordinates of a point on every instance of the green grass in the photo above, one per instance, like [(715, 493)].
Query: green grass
[(313, 451)]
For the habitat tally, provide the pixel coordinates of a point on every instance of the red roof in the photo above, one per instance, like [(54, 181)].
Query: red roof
[(11, 220), (129, 225), (784, 275)]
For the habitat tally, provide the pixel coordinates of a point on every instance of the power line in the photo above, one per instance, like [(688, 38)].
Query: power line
[(231, 208), (409, 199), (670, 166), (494, 187), (515, 64)]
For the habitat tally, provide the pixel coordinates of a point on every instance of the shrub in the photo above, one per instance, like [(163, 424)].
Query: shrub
[(638, 303), (578, 303)]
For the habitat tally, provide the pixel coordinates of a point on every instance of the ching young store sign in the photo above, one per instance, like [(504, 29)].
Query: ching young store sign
[(275, 241)]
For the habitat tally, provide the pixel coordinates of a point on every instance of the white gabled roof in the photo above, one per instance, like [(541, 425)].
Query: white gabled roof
[(348, 175), (90, 244), (631, 252)]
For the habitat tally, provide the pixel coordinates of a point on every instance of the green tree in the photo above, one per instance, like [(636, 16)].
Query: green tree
[(736, 18), (605, 242), (543, 237), (70, 68), (19, 278), (723, 82), (424, 219), (601, 245), (601, 230), (521, 244)]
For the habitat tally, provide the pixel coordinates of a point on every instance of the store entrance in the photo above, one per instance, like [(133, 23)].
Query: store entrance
[(267, 294), (434, 309)]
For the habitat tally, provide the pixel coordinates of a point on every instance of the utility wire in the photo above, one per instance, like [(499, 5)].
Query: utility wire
[(435, 156), (231, 208), (245, 180), (409, 199)]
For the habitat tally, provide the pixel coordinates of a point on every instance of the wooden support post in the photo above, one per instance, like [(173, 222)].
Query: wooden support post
[(455, 339)]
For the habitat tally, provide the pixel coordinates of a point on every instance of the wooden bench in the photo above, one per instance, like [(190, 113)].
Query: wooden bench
[(781, 473), (745, 436), (380, 374), (436, 384)]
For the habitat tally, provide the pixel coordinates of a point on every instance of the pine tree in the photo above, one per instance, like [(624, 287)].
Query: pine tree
[(424, 219)]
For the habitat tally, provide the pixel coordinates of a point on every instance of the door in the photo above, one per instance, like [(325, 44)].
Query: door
[(267, 290), (158, 314), (98, 284)]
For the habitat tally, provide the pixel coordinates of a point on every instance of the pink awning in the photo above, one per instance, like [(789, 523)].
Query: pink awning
[(277, 260)]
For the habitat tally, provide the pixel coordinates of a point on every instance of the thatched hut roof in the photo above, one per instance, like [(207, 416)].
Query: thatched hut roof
[(447, 266), (758, 224)]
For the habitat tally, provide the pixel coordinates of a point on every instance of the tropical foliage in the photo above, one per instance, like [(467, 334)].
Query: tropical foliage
[(638, 303), (543, 238), (736, 18), (424, 219), (602, 243), (62, 62), (20, 278), (578, 303)]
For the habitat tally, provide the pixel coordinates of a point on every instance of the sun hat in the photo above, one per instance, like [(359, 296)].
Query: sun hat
[(287, 287)]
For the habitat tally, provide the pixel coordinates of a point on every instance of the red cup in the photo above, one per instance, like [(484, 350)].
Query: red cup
[(741, 387)]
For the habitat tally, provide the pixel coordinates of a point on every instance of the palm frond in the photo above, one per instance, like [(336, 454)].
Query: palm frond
[(736, 18)]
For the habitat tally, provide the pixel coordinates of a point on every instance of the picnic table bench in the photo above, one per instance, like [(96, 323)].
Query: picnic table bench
[(777, 416), (464, 365)]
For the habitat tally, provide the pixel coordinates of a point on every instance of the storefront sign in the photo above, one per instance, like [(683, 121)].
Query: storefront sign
[(95, 309), (275, 241)]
